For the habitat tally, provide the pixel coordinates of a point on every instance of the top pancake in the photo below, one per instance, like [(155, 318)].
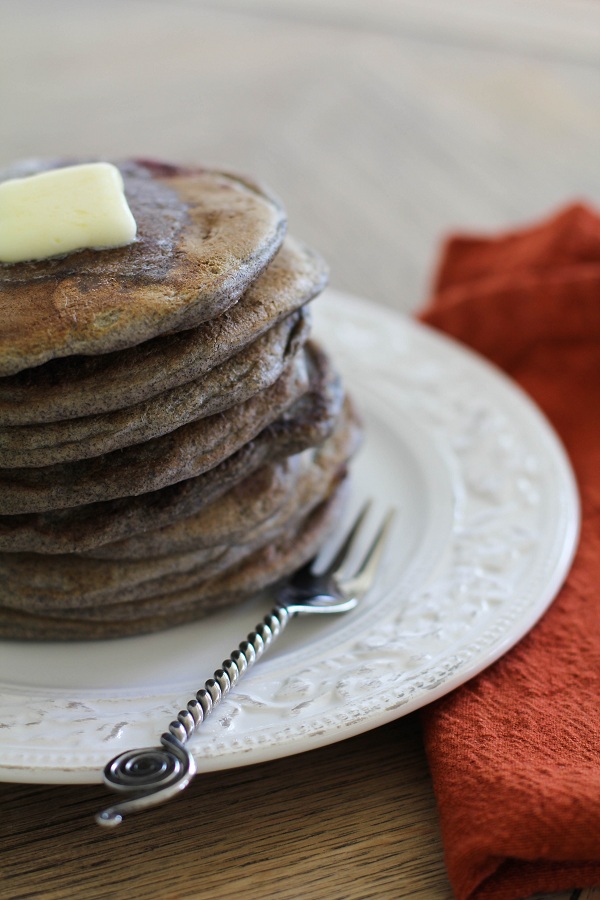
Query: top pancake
[(203, 237)]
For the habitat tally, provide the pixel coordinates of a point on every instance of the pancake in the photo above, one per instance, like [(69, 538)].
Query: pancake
[(38, 583), (306, 424), (189, 451), (246, 506), (76, 386), (233, 382), (265, 499), (203, 238), (264, 567), (44, 584)]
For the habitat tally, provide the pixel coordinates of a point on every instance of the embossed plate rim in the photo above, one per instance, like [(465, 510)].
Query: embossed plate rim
[(449, 611)]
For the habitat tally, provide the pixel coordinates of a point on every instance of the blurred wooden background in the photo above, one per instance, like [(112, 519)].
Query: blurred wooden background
[(382, 124)]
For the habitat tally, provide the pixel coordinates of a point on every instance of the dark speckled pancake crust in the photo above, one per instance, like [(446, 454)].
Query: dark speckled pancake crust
[(306, 424), (235, 381), (267, 496), (36, 583), (264, 567), (184, 453)]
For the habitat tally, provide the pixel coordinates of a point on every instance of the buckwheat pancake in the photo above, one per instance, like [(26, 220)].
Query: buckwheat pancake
[(55, 584), (181, 454), (203, 238), (247, 505), (36, 583), (129, 585), (306, 424), (235, 381), (264, 500), (76, 386), (264, 567)]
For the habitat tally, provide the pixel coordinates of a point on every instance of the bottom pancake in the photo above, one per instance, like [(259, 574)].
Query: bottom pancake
[(263, 568)]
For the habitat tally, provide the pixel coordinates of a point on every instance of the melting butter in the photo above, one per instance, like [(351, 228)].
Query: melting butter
[(62, 210)]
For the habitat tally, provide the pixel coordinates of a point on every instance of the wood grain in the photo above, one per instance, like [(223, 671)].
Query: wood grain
[(353, 820)]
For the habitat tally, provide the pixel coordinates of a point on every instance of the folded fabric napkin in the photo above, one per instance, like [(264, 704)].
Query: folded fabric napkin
[(515, 753)]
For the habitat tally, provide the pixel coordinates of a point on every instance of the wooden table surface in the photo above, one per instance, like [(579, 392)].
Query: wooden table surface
[(383, 125)]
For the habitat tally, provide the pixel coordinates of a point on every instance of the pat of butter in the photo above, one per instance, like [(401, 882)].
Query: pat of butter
[(62, 210)]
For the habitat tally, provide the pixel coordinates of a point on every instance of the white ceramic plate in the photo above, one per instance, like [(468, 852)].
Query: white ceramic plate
[(486, 529)]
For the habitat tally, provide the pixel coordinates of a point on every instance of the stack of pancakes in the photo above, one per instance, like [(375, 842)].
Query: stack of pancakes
[(171, 441)]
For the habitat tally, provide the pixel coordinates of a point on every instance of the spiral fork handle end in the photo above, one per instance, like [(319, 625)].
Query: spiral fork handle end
[(153, 775)]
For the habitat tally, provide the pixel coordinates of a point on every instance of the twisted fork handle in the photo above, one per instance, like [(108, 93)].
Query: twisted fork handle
[(155, 774)]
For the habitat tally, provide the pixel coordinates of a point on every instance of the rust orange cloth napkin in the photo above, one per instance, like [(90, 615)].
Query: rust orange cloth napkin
[(515, 753)]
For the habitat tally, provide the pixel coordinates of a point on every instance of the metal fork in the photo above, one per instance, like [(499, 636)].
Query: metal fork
[(155, 774)]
